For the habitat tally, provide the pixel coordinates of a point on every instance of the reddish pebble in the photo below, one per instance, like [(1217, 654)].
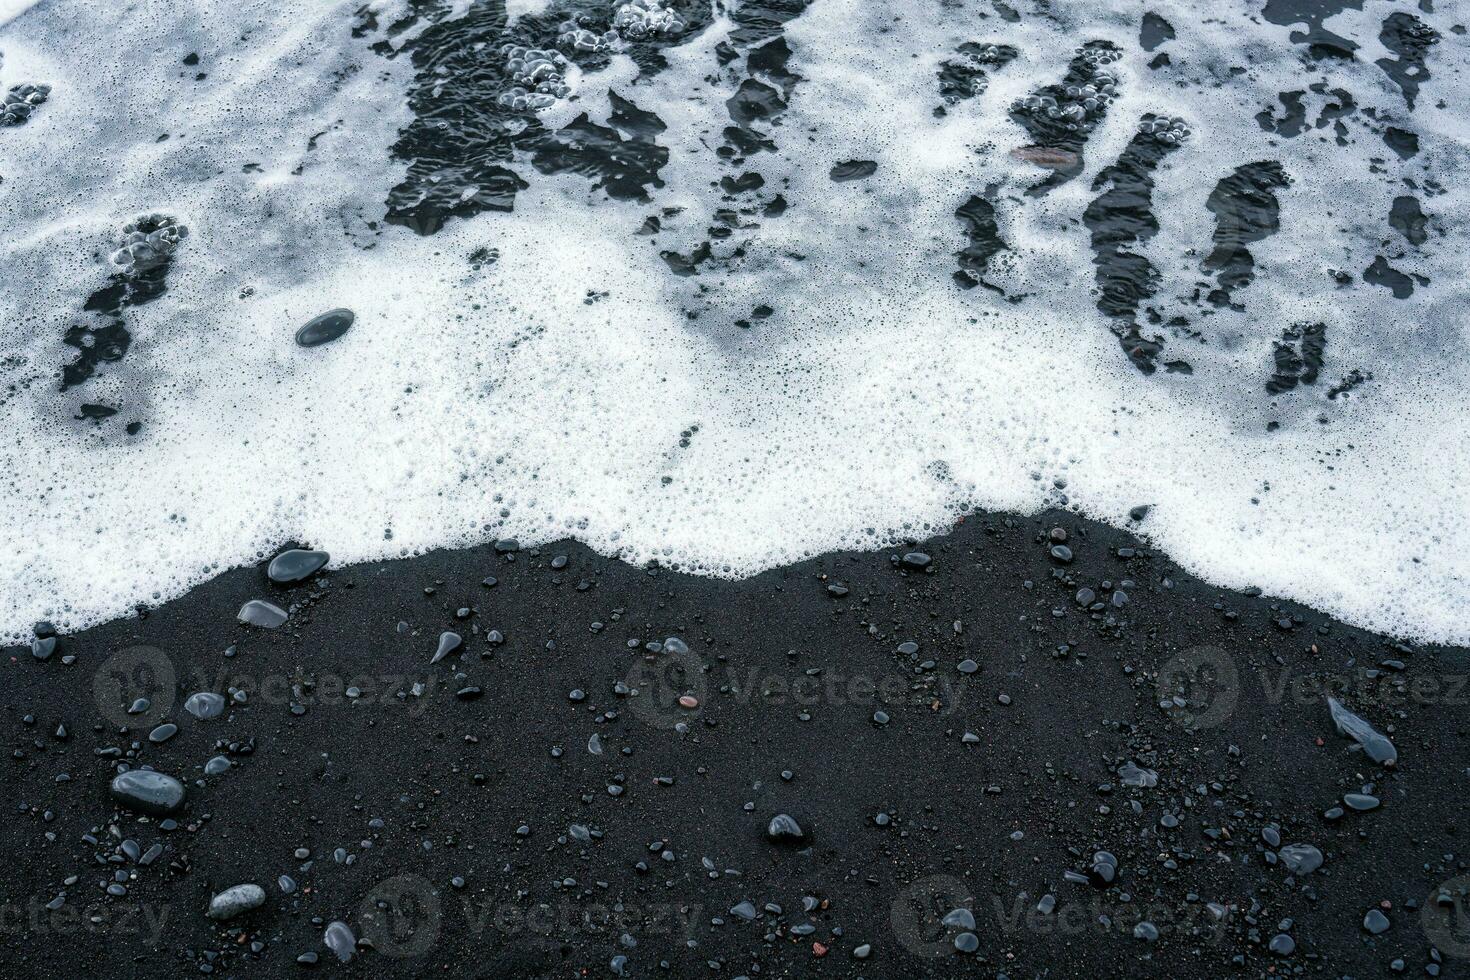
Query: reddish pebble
[(818, 949), (689, 701)]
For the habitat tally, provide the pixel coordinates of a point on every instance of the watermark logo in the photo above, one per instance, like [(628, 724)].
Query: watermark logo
[(668, 687), (34, 920), (1445, 917), (401, 916), (1198, 688), (135, 687), (924, 918)]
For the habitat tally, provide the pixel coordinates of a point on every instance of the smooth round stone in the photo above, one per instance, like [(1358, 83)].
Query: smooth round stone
[(862, 952), (917, 559), (146, 791), (966, 942), (1061, 553), (1375, 922), (1360, 801), (340, 940), (215, 766), (234, 901), (296, 565), (968, 666), (42, 647), (258, 612), (163, 733), (325, 328), (1282, 944), (784, 827), (205, 705), (960, 918)]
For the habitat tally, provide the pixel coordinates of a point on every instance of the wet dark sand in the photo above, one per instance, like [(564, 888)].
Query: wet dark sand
[(436, 786)]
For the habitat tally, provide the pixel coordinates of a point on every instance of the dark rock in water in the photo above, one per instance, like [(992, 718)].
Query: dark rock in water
[(234, 901), (1377, 745), (146, 791), (296, 565), (340, 940), (1300, 859), (258, 612), (853, 170), (448, 643), (205, 705), (325, 328), (783, 827)]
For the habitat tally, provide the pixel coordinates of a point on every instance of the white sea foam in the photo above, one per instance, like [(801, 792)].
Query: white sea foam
[(877, 402)]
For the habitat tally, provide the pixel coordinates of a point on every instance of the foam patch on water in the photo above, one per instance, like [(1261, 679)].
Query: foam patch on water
[(575, 387)]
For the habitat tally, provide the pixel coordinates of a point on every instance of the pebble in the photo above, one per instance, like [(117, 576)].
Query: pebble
[(1300, 859), (163, 733), (296, 565), (968, 666), (340, 940), (146, 791), (1282, 944), (783, 827), (325, 328), (1375, 922), (961, 918), (1061, 553), (448, 643), (258, 612), (1374, 743), (235, 900), (205, 705), (916, 559)]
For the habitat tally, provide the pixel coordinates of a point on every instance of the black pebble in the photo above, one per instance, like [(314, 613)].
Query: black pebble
[(325, 328)]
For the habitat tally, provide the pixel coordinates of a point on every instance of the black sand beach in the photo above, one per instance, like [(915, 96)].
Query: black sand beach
[(472, 830)]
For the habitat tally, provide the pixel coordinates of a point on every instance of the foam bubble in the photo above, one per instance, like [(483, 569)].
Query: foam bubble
[(575, 387)]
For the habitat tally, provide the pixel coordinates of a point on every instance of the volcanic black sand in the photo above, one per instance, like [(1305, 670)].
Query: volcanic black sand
[(546, 806)]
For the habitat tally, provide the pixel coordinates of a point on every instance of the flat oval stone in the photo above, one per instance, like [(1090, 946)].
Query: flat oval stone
[(325, 328), (296, 565), (258, 612), (233, 901), (146, 791)]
